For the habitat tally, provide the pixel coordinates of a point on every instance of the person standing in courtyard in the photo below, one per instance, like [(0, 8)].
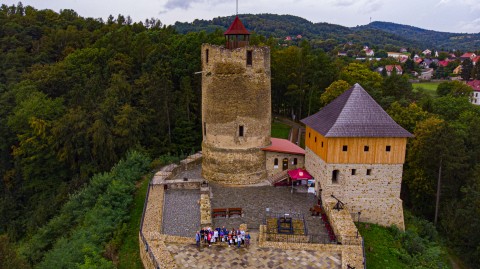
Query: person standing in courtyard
[(198, 238), (247, 240)]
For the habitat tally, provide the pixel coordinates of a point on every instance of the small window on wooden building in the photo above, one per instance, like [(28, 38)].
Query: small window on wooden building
[(322, 144), (206, 56), (388, 148), (240, 130), (315, 139), (366, 148), (335, 176), (369, 172), (308, 134), (249, 57), (344, 148), (354, 171)]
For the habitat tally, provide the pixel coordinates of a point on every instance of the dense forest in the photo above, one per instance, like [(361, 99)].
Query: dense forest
[(383, 35), (82, 99)]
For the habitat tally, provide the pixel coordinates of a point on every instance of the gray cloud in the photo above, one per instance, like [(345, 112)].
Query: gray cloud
[(344, 3), (181, 4), (372, 6)]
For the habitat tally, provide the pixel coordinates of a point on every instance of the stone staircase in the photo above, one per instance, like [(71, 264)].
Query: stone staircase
[(278, 177)]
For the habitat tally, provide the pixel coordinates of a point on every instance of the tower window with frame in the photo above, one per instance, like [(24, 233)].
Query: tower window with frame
[(249, 57), (206, 55), (240, 131), (275, 163), (295, 161), (322, 144), (315, 139)]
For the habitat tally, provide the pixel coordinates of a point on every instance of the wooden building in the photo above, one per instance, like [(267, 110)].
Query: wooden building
[(356, 151)]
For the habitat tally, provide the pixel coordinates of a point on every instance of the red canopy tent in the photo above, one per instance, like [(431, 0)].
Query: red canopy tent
[(299, 174)]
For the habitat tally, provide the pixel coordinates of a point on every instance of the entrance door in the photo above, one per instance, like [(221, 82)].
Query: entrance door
[(285, 164)]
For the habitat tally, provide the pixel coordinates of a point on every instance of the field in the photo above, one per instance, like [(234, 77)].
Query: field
[(429, 87), (280, 130)]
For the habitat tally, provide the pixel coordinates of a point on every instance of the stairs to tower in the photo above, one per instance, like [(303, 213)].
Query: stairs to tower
[(278, 177)]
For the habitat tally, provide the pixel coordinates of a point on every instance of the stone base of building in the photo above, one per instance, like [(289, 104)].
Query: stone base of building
[(371, 189), (233, 166)]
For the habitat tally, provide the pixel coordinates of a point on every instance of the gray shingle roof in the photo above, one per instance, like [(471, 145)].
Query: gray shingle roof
[(355, 114)]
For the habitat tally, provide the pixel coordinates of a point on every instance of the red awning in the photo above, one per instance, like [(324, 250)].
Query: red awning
[(299, 173)]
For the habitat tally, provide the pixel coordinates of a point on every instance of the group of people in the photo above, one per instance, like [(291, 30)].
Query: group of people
[(222, 235)]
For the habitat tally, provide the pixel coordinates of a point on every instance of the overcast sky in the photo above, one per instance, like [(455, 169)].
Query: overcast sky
[(442, 15)]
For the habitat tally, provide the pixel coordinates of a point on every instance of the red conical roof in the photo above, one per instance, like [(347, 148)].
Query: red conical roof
[(236, 28)]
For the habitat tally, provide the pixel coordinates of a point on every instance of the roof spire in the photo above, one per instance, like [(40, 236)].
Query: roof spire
[(237, 9)]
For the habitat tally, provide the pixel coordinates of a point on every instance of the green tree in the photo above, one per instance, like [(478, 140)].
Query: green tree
[(333, 91), (467, 68), (359, 73)]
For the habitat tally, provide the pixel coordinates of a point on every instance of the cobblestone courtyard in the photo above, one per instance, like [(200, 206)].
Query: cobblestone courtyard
[(182, 217)]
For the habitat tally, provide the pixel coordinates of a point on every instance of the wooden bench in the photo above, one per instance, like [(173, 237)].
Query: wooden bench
[(219, 212), (235, 211)]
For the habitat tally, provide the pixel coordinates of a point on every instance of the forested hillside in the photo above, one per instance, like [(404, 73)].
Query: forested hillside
[(382, 35), (428, 38), (77, 94)]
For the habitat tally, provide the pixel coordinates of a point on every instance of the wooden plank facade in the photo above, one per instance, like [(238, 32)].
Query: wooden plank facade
[(358, 149)]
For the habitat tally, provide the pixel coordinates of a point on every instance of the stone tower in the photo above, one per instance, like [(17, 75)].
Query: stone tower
[(236, 109), (355, 151)]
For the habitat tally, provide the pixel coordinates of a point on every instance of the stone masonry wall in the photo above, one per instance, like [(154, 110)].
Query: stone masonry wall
[(156, 250), (376, 196), (351, 254), (235, 94), (272, 170)]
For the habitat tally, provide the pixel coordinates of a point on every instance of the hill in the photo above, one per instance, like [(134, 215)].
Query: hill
[(428, 38), (380, 34)]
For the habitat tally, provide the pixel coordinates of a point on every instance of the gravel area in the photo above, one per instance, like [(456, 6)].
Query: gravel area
[(181, 212)]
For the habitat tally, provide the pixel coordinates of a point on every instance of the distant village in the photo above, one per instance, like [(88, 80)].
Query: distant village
[(426, 65)]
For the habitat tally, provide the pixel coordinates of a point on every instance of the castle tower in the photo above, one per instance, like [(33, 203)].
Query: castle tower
[(236, 109), (355, 151)]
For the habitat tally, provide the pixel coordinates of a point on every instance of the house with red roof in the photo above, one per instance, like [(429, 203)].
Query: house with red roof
[(398, 69), (475, 84), (282, 155), (475, 60), (443, 63), (468, 55)]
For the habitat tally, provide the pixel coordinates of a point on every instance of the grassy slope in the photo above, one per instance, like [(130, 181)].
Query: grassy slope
[(129, 255), (380, 247), (429, 87), (280, 130)]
